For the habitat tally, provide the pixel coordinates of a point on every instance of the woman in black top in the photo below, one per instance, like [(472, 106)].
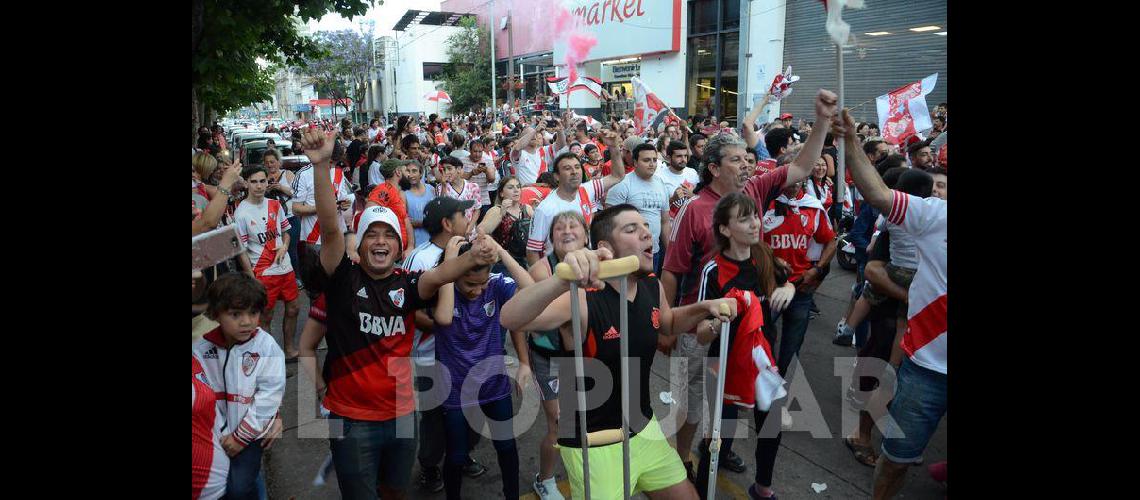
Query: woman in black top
[(746, 263)]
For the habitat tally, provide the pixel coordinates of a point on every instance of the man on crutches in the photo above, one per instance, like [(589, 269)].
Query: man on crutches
[(624, 448)]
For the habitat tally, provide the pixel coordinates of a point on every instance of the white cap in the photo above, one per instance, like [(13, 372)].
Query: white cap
[(376, 214)]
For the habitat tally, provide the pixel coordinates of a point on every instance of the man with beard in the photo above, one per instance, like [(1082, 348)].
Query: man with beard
[(571, 194), (649, 194), (389, 194)]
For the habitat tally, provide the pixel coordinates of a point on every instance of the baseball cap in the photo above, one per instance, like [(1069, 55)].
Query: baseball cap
[(442, 207), (374, 214), (785, 116)]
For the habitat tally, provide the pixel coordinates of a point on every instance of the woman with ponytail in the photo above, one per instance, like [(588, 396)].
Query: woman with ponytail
[(742, 263)]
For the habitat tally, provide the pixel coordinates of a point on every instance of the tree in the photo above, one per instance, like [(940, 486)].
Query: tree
[(229, 35), (467, 79), (342, 67)]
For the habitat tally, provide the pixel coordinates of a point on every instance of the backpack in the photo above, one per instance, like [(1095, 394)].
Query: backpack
[(520, 233)]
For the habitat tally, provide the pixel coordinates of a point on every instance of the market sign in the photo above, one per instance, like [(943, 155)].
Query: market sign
[(625, 28), (621, 72)]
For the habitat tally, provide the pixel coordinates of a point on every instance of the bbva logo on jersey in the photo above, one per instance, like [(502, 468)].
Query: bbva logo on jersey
[(382, 326)]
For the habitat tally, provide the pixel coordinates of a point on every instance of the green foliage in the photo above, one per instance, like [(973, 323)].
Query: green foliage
[(341, 67), (229, 36), (467, 77)]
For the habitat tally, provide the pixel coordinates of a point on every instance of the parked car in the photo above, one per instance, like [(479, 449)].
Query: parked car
[(253, 151), (294, 162), (241, 138)]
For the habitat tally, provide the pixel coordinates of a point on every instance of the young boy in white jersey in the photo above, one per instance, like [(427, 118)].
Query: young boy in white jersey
[(244, 366), (264, 228)]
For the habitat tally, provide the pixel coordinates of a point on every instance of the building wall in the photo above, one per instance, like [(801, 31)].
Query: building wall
[(531, 22), (873, 65), (414, 47)]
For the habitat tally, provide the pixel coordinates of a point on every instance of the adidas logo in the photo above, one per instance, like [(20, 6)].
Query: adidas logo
[(362, 293), (611, 334)]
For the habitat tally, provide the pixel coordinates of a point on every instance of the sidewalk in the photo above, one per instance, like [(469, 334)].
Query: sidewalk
[(292, 463)]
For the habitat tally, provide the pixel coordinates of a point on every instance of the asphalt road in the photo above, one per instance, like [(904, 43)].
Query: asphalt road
[(806, 456)]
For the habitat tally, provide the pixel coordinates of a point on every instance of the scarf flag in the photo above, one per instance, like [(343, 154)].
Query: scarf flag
[(835, 25), (563, 85), (903, 111)]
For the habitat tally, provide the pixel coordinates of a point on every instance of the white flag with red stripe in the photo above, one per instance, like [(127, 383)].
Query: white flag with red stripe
[(647, 107), (836, 26), (438, 95), (903, 111)]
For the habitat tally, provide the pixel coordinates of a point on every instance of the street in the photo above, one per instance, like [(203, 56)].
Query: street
[(293, 462)]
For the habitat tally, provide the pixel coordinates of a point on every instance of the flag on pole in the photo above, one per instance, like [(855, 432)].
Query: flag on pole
[(647, 107), (437, 95), (836, 26), (903, 111), (563, 85)]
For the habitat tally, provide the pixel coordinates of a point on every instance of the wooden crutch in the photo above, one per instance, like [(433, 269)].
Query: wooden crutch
[(606, 269)]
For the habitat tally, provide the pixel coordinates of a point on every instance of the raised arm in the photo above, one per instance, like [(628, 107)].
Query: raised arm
[(482, 253), (524, 140), (442, 312), (825, 108), (749, 133), (617, 169), (870, 185), (318, 146), (212, 215)]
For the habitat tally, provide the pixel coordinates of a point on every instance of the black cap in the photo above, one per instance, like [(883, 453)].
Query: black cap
[(442, 207)]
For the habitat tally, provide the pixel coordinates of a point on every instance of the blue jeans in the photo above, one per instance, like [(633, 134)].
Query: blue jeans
[(919, 404), (370, 454), (244, 469), (793, 330), (459, 439)]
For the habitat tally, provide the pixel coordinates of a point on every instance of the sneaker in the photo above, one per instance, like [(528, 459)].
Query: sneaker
[(732, 462), (785, 418), (844, 334), (474, 469), (548, 489), (431, 479), (938, 471)]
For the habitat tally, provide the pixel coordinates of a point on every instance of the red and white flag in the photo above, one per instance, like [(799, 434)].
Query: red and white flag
[(563, 85), (836, 26), (647, 107), (903, 111), (438, 95)]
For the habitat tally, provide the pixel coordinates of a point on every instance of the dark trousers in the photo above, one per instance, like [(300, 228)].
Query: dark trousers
[(461, 438), (430, 428), (241, 484), (766, 447)]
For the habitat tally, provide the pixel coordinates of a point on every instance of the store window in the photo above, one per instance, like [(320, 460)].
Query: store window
[(713, 58), (432, 71), (701, 74)]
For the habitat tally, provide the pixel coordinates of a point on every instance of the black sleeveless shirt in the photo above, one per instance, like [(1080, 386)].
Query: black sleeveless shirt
[(602, 352)]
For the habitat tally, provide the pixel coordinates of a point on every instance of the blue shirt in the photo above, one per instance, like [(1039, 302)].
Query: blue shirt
[(862, 230), (416, 204), (471, 346)]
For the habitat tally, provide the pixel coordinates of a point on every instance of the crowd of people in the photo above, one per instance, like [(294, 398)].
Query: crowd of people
[(414, 241)]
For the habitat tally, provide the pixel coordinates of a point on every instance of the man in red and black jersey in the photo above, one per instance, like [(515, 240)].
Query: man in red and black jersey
[(370, 316), (655, 468)]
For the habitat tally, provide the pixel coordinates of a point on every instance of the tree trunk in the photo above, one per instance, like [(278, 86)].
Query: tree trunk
[(194, 120)]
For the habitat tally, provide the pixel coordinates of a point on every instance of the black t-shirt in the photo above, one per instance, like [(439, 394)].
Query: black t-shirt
[(370, 332), (722, 274), (602, 342)]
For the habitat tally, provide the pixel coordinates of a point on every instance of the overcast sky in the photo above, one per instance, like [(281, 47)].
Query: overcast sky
[(385, 16)]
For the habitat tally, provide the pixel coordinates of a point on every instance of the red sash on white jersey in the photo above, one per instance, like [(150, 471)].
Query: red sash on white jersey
[(585, 205), (269, 250), (338, 176)]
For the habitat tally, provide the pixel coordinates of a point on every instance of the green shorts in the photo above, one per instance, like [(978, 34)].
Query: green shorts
[(653, 465)]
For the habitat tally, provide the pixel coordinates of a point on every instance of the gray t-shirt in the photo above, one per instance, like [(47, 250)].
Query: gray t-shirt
[(904, 252), (650, 197)]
